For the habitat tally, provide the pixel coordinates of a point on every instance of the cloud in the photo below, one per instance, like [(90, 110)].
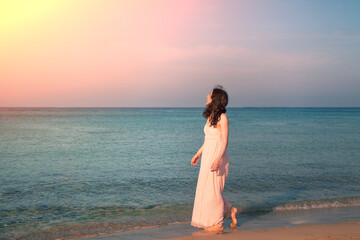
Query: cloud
[(335, 35), (221, 57)]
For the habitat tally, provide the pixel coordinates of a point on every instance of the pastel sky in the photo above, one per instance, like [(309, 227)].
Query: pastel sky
[(171, 53)]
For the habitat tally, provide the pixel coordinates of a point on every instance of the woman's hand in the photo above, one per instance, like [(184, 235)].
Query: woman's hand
[(195, 159), (215, 166)]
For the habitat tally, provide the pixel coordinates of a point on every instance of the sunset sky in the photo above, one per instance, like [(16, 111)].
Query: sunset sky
[(171, 53)]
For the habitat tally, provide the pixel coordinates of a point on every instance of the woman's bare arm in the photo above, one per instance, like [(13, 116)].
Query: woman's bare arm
[(197, 155), (200, 150)]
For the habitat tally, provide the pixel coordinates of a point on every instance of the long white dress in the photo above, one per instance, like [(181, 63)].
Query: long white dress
[(210, 207)]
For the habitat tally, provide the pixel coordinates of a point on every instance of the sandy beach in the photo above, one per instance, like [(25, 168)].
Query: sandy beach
[(318, 224), (321, 231), (336, 231)]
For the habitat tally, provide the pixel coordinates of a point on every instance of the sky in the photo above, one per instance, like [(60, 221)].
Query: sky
[(171, 53)]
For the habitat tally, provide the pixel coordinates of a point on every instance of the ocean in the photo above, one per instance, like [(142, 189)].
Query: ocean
[(77, 171)]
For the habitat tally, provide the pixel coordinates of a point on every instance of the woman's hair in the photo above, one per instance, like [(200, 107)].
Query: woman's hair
[(219, 100)]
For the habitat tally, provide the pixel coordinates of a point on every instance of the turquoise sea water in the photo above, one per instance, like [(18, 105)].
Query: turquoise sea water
[(74, 171)]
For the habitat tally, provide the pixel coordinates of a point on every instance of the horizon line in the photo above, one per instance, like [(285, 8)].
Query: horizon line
[(199, 107)]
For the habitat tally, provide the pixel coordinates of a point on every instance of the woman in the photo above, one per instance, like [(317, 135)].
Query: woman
[(210, 207)]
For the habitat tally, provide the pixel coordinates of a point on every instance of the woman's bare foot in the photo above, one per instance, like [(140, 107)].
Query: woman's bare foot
[(233, 216), (233, 227)]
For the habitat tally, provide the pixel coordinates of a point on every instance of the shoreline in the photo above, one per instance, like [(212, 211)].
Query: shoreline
[(254, 223)]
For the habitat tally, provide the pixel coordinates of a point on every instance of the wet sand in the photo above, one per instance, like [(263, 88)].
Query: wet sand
[(335, 231), (317, 224)]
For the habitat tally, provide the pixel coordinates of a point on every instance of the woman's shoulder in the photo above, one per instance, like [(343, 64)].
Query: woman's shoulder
[(223, 121), (223, 117)]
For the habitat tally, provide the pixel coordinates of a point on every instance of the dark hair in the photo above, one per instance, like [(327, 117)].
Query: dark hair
[(219, 100)]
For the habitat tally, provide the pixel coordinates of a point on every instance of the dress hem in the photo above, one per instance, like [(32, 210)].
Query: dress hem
[(198, 225)]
